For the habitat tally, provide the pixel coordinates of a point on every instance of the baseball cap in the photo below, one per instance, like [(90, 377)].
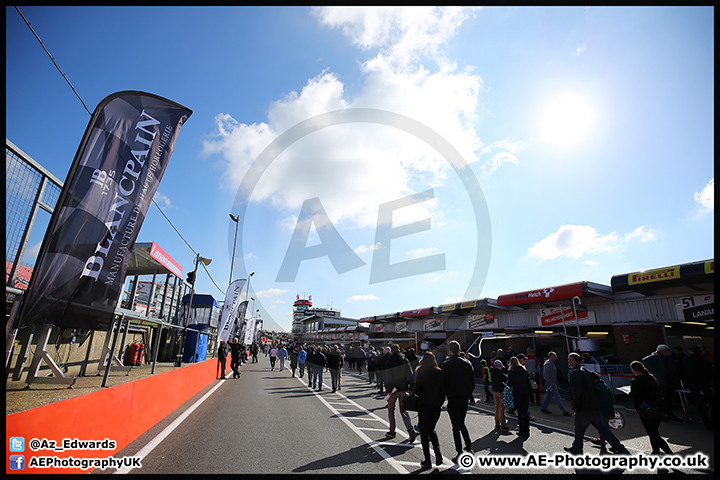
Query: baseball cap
[(498, 362), (521, 356)]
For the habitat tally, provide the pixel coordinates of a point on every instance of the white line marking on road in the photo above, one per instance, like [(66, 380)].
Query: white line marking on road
[(150, 446)]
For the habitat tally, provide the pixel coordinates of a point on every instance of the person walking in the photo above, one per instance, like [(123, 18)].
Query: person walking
[(551, 385), (333, 364), (498, 386), (532, 365), (487, 380), (607, 408), (519, 381), (660, 365), (302, 357), (398, 379), (697, 374), (222, 355), (254, 351), (382, 365), (648, 399), (459, 381), (359, 359), (429, 387), (587, 407), (282, 355), (319, 361), (235, 357), (293, 359), (273, 357)]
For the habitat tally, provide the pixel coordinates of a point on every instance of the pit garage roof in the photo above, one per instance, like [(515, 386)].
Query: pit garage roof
[(149, 259), (684, 279)]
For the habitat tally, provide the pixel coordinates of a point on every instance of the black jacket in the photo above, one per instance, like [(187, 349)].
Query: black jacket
[(222, 352), (644, 389), (319, 360), (333, 360), (458, 377), (430, 389), (498, 379), (398, 374), (583, 395), (519, 381), (235, 350)]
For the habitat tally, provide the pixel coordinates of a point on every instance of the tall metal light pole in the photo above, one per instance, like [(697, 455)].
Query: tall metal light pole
[(235, 219)]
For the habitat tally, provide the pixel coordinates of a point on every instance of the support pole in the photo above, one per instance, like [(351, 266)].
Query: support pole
[(40, 355)]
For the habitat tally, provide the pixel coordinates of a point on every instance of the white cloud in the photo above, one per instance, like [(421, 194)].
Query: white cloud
[(363, 248), (162, 201), (580, 50), (404, 34), (31, 253), (422, 252), (366, 164), (643, 233), (591, 262), (706, 197), (573, 241), (434, 277), (455, 299), (361, 298), (271, 292)]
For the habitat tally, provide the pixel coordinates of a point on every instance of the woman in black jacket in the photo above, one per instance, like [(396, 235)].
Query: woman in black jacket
[(646, 394), (431, 395), (519, 381)]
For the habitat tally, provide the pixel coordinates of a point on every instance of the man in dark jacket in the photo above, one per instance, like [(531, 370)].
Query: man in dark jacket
[(235, 357), (318, 362), (398, 379), (459, 379), (222, 354), (382, 364), (587, 406), (333, 364), (697, 373)]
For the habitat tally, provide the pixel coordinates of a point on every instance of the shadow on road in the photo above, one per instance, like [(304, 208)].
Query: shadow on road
[(359, 454)]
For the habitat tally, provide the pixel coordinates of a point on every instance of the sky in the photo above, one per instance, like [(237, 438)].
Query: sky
[(387, 159)]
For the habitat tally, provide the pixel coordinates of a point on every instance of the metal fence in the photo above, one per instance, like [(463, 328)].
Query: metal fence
[(28, 188)]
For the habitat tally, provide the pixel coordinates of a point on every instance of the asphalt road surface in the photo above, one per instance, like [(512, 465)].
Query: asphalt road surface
[(267, 422)]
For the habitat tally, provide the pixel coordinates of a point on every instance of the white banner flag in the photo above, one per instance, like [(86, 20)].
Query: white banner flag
[(250, 330), (229, 311)]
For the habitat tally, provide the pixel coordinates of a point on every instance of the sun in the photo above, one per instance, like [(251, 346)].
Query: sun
[(567, 121)]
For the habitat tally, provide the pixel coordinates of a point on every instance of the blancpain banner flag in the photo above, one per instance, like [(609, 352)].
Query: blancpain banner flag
[(250, 330), (112, 180), (230, 308)]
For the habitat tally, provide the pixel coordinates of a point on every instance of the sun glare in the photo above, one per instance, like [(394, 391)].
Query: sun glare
[(567, 121)]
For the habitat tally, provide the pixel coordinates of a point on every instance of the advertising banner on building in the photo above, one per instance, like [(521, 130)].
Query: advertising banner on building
[(230, 308), (480, 321), (556, 316), (433, 324), (549, 294), (110, 185), (401, 327), (698, 308)]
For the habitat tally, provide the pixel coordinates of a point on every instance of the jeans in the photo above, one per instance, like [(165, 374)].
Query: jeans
[(552, 392), (272, 363), (317, 378), (488, 393), (282, 363), (302, 370), (334, 378), (656, 441), (403, 413)]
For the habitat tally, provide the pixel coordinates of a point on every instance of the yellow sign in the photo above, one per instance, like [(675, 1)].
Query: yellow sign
[(658, 275), (710, 267)]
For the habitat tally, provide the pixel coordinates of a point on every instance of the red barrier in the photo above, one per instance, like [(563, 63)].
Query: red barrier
[(121, 414)]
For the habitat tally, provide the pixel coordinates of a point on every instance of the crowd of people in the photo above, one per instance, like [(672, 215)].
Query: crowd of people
[(510, 381)]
